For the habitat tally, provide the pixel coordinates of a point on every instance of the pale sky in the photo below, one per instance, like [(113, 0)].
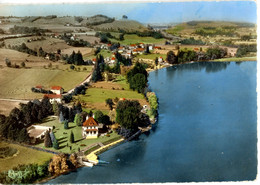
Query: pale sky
[(164, 12)]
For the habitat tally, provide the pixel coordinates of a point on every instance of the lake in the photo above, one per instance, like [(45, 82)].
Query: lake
[(206, 130)]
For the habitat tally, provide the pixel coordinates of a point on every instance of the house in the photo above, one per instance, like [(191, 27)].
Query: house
[(54, 97), (121, 49), (38, 87), (37, 132), (57, 89), (138, 51), (113, 60), (151, 47), (90, 128), (141, 45), (132, 46), (160, 59), (94, 60)]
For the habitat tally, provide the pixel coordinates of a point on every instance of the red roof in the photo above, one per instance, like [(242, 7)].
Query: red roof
[(160, 57), (133, 45), (94, 59), (38, 86), (52, 96), (109, 44), (90, 122), (157, 47), (113, 58), (56, 87), (139, 49), (121, 47)]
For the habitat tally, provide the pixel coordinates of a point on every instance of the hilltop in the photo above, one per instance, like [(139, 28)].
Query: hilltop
[(216, 31)]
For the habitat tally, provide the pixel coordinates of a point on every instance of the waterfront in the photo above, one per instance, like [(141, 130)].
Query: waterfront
[(206, 130)]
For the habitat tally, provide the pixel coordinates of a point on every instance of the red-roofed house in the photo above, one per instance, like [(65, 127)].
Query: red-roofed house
[(53, 97), (138, 50), (160, 59), (90, 128), (57, 89), (39, 87), (113, 60)]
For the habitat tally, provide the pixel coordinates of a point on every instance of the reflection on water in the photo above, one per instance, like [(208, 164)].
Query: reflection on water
[(206, 131)]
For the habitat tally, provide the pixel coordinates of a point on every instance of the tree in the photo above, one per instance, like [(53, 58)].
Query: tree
[(171, 58), (124, 17), (98, 116), (22, 64), (47, 140), (8, 62), (128, 112), (58, 164), (72, 137), (73, 160), (61, 117), (138, 82), (78, 119), (23, 136), (110, 103), (156, 61), (121, 36), (56, 144), (55, 108), (66, 124)]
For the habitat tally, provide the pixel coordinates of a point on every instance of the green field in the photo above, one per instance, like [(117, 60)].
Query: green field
[(175, 30), (17, 83), (63, 136), (96, 95), (151, 56), (24, 156), (104, 53), (134, 39)]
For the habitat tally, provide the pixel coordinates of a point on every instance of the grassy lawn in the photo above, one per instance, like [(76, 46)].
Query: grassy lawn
[(97, 94), (24, 156), (235, 59), (17, 83), (104, 53), (63, 136), (134, 39), (175, 29), (151, 56)]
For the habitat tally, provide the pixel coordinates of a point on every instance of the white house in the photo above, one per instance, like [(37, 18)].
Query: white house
[(57, 89), (90, 128), (54, 97), (160, 59)]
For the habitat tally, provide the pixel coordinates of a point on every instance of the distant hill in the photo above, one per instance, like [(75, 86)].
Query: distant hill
[(97, 20), (193, 27), (127, 25)]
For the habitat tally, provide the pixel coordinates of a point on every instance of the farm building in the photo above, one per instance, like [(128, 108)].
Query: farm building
[(37, 132), (57, 89), (54, 97)]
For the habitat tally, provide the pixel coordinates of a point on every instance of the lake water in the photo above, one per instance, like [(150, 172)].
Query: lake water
[(206, 131)]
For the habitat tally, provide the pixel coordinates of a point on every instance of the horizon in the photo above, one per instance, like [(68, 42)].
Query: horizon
[(146, 13)]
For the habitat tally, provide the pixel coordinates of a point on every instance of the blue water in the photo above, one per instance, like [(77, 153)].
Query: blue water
[(206, 131)]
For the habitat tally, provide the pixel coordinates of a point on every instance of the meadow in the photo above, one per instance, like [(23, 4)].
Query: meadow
[(17, 83), (134, 39), (23, 155), (97, 94)]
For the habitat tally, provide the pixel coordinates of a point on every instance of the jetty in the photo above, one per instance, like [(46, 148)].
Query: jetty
[(93, 158)]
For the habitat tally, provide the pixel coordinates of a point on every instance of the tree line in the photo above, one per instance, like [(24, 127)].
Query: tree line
[(27, 30), (13, 127)]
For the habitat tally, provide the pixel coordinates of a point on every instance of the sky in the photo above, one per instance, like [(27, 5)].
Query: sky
[(164, 12)]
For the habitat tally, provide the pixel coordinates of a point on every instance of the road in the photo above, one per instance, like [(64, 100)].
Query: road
[(87, 80), (14, 100)]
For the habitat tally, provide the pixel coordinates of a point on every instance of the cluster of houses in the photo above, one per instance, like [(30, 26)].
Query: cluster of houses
[(55, 95)]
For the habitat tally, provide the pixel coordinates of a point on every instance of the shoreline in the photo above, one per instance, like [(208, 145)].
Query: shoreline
[(243, 59)]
